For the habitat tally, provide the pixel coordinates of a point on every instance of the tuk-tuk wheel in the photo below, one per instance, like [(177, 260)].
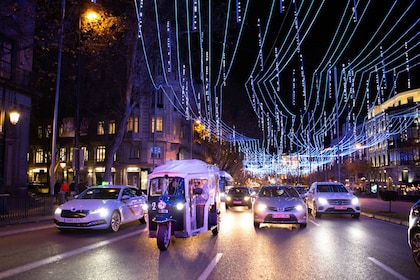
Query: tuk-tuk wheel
[(163, 238)]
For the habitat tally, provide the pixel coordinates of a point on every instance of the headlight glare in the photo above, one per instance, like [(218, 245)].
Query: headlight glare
[(355, 201), (322, 201), (179, 206), (58, 211), (102, 212), (299, 207), (261, 207)]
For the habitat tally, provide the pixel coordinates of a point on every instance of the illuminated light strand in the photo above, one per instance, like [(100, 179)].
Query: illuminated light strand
[(407, 61), (169, 45)]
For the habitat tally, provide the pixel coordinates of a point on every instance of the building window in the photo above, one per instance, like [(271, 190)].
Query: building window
[(6, 52), (100, 153), (130, 124), (40, 132), (133, 124), (85, 153), (159, 98), (62, 154), (48, 131), (39, 156), (111, 127), (100, 128), (159, 124), (134, 152)]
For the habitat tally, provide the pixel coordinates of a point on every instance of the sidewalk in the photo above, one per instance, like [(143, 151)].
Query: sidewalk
[(382, 208)]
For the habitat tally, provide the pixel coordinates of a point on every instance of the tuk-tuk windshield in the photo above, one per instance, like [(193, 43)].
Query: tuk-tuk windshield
[(173, 186)]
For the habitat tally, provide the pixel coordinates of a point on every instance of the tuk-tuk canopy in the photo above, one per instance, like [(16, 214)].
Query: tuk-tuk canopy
[(187, 166)]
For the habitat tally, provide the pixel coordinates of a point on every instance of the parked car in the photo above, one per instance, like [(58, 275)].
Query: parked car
[(278, 204), (331, 198), (38, 188), (102, 207), (414, 232), (239, 196)]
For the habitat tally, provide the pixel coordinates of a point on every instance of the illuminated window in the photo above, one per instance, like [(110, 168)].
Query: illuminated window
[(85, 153), (48, 131), (100, 128), (39, 156), (111, 127), (100, 153), (133, 124), (159, 124), (62, 154), (155, 152), (40, 132)]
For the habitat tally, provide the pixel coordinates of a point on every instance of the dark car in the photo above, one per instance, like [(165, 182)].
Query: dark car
[(239, 196), (414, 232)]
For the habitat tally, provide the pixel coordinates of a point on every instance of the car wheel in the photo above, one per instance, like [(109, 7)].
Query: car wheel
[(142, 220), (356, 216), (163, 237), (256, 225), (415, 247), (115, 221), (315, 213), (302, 225)]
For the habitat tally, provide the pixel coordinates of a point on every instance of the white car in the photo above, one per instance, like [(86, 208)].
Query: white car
[(102, 207), (331, 198)]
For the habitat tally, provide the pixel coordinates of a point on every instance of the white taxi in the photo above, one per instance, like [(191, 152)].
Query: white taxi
[(102, 207)]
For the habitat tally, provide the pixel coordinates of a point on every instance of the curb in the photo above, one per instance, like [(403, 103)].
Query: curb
[(386, 219)]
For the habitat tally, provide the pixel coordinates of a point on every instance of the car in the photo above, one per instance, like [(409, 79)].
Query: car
[(38, 188), (279, 204), (102, 207), (238, 196), (302, 190), (331, 198), (414, 232)]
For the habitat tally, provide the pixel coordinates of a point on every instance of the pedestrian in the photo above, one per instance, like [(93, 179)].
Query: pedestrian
[(57, 190), (72, 188), (64, 189)]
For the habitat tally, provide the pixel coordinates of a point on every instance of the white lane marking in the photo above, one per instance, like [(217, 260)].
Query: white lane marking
[(315, 223), (10, 232), (30, 266), (387, 268), (210, 267)]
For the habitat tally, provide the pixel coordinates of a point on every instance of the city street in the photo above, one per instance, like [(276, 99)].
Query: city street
[(333, 247)]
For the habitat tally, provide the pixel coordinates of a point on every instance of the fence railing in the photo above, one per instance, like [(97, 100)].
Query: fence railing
[(15, 208)]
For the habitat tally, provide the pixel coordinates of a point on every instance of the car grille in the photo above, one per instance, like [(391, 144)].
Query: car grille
[(339, 201), (74, 214), (271, 208)]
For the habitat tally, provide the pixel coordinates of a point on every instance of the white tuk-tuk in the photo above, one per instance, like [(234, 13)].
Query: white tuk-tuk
[(183, 200)]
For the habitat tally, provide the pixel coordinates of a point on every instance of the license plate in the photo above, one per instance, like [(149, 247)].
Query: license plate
[(340, 207), (163, 211), (70, 220), (281, 216), (237, 202)]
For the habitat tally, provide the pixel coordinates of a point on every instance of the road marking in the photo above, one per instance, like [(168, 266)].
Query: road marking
[(10, 232), (315, 223), (210, 267), (387, 268), (30, 266)]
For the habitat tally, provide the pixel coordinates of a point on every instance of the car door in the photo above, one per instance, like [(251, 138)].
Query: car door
[(131, 206)]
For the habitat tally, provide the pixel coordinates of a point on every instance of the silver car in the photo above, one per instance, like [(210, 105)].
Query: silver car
[(279, 204)]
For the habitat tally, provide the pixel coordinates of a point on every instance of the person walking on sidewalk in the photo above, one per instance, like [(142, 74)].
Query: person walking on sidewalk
[(64, 189)]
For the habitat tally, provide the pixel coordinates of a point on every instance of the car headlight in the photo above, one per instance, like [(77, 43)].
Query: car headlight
[(299, 207), (228, 198), (261, 207), (355, 201), (57, 211), (246, 198), (322, 200), (179, 206), (144, 207), (103, 212)]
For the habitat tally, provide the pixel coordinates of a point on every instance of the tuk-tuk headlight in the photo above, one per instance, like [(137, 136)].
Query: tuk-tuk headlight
[(145, 207), (179, 206)]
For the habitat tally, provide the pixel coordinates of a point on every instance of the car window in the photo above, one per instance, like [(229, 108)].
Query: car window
[(238, 191), (100, 193)]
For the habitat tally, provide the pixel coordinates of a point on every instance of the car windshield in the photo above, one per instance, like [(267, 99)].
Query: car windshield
[(100, 193), (331, 188), (278, 191), (173, 186), (234, 191)]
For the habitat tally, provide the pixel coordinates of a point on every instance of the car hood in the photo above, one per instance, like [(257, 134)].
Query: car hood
[(87, 204), (337, 195), (280, 201)]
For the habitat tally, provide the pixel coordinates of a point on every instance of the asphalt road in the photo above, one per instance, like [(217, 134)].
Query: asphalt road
[(333, 247)]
